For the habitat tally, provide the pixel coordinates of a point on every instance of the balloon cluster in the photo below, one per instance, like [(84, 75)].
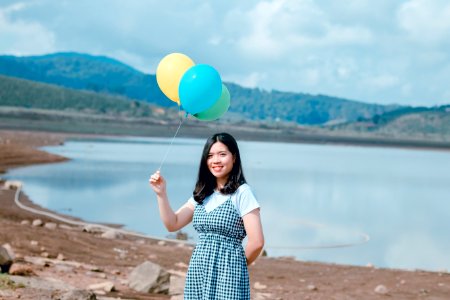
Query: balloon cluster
[(198, 89)]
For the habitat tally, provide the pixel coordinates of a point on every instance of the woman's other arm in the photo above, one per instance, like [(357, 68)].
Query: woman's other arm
[(255, 242)]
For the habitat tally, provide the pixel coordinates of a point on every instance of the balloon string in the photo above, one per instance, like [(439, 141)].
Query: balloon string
[(171, 142)]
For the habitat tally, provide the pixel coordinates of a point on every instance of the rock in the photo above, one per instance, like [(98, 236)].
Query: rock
[(25, 222), (60, 257), (96, 274), (37, 223), (182, 236), (78, 295), (37, 261), (12, 184), (45, 254), (263, 296), (181, 265), (311, 287), (90, 228), (103, 286), (424, 291), (41, 283), (21, 270), (177, 273), (5, 260), (116, 272), (161, 243), (176, 285), (34, 243), (149, 278), (259, 286), (110, 234), (10, 251), (381, 290), (50, 225)]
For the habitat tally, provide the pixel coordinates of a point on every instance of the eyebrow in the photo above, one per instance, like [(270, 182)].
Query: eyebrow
[(221, 151)]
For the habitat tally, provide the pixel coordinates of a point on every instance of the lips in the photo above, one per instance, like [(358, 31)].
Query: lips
[(217, 168)]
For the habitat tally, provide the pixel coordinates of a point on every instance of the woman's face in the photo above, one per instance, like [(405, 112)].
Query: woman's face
[(220, 161)]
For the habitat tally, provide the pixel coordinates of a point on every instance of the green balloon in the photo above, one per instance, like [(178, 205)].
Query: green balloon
[(218, 109)]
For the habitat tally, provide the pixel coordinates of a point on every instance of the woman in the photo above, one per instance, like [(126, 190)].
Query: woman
[(223, 210)]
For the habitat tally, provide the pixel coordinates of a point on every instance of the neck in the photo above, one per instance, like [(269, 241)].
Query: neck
[(220, 184)]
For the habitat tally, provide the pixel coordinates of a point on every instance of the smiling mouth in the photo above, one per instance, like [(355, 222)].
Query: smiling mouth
[(217, 168)]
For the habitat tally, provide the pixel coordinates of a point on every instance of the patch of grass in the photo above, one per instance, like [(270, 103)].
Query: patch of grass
[(8, 284)]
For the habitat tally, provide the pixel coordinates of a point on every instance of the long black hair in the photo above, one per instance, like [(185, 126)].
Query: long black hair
[(206, 182)]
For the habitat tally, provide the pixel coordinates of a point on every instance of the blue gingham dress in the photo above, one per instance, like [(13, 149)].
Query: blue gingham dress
[(218, 267)]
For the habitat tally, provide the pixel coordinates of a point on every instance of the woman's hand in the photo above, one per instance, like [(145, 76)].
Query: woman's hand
[(172, 220), (158, 183)]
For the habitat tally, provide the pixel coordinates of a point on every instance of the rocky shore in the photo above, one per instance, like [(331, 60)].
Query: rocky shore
[(46, 258)]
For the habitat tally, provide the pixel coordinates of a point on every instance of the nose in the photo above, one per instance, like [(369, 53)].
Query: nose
[(216, 159)]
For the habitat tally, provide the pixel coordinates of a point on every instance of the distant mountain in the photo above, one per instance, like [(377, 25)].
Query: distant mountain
[(86, 72), (105, 75), (15, 92), (428, 123)]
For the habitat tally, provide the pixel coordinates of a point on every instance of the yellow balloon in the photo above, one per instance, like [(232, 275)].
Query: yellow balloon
[(169, 72)]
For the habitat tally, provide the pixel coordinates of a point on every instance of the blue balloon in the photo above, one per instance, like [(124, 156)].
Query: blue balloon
[(200, 88)]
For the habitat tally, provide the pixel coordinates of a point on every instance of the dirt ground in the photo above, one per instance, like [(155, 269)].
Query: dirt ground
[(271, 278)]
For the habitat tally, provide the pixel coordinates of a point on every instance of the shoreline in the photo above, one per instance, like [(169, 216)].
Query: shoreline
[(70, 123), (277, 277)]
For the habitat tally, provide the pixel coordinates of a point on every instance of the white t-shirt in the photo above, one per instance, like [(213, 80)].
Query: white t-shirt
[(243, 199)]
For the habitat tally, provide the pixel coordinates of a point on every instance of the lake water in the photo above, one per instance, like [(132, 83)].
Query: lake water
[(319, 202)]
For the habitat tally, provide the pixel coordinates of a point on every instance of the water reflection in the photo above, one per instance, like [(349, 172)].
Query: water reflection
[(312, 196)]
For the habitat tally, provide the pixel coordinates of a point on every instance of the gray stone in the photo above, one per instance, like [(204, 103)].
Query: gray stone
[(78, 295), (381, 290), (149, 278), (10, 250), (103, 286), (37, 223), (110, 234), (176, 285), (42, 283), (5, 260), (25, 222), (50, 225)]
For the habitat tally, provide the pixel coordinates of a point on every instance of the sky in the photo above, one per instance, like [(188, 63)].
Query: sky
[(384, 51)]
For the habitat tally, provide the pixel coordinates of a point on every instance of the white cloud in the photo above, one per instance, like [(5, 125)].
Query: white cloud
[(426, 21), (383, 81), (363, 50), (251, 80), (20, 37)]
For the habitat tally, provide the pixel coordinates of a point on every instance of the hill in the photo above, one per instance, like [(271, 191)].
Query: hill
[(106, 75), (29, 94), (423, 123)]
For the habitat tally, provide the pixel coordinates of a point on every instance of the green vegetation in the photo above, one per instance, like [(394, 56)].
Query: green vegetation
[(7, 284), (105, 75), (29, 94)]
